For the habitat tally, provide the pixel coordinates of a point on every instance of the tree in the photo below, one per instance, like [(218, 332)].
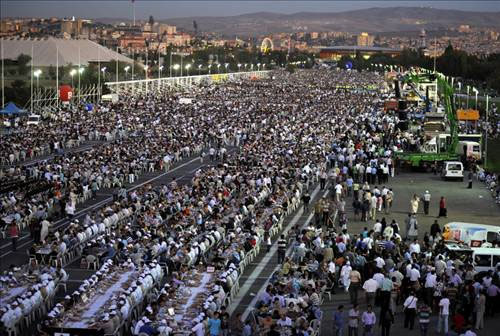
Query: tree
[(52, 72), (22, 64), (18, 84)]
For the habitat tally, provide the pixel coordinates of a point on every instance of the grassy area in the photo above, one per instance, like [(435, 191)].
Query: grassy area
[(493, 155)]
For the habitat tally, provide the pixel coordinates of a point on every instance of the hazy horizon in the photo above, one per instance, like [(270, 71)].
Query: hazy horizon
[(162, 10)]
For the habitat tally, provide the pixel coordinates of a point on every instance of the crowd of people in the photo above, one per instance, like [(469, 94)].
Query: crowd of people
[(266, 143)]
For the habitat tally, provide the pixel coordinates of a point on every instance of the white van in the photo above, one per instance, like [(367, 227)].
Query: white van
[(34, 119), (470, 149), (453, 170), (486, 259), (471, 234)]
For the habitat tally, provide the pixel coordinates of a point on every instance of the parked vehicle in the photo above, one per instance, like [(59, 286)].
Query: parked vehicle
[(452, 170), (471, 234)]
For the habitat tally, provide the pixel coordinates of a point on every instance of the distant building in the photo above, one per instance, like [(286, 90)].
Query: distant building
[(314, 35), (365, 40), (335, 53), (464, 29)]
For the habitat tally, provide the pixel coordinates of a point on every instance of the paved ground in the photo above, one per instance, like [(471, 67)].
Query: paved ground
[(466, 205)]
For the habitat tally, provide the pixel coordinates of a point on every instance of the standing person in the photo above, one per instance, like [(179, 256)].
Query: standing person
[(44, 231), (267, 241), (214, 325), (469, 177), (480, 307), (427, 201), (14, 234), (386, 320), (412, 227), (345, 273), (368, 318), (322, 179), (444, 313), (442, 208), (424, 315), (414, 202), (353, 320), (306, 198), (355, 278), (281, 249), (338, 321), (410, 308)]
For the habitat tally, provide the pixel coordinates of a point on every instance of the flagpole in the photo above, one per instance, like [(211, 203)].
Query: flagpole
[(98, 68), (31, 77), (3, 76), (57, 75), (117, 64), (79, 71), (133, 9)]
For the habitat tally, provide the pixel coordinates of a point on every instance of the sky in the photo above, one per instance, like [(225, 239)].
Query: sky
[(164, 9)]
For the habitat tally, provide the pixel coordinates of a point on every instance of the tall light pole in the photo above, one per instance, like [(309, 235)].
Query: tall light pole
[(72, 73), (176, 67), (103, 73), (476, 91), (80, 71), (159, 71), (126, 71), (468, 87), (239, 66), (199, 69), (37, 74), (487, 128), (188, 66)]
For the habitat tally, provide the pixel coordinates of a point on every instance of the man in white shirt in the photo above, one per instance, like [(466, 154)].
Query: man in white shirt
[(414, 274), (444, 306), (410, 309), (284, 321), (370, 286)]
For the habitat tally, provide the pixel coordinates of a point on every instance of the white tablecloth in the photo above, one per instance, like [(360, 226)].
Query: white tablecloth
[(194, 292), (98, 301), (12, 293)]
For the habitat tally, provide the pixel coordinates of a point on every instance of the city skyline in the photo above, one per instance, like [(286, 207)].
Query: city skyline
[(175, 9)]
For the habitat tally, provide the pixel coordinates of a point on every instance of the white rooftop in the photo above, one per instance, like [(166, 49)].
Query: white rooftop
[(81, 51)]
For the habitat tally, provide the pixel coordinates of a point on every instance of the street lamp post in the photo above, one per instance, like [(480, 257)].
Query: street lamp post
[(258, 66), (239, 66), (72, 73), (476, 91), (209, 69), (487, 129), (159, 71), (104, 73), (199, 69), (176, 68), (188, 66), (126, 71), (80, 71), (263, 66), (37, 74), (468, 87), (225, 66), (218, 68)]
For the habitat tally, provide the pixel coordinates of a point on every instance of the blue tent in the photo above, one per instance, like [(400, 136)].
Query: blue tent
[(12, 110)]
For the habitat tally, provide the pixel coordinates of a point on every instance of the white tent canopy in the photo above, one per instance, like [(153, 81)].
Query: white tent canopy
[(44, 51)]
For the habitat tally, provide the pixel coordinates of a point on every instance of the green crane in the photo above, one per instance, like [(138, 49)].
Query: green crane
[(416, 159)]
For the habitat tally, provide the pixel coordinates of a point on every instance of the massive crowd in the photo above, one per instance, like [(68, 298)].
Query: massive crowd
[(177, 251)]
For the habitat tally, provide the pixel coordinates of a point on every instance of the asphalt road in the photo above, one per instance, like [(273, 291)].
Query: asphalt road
[(467, 205)]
